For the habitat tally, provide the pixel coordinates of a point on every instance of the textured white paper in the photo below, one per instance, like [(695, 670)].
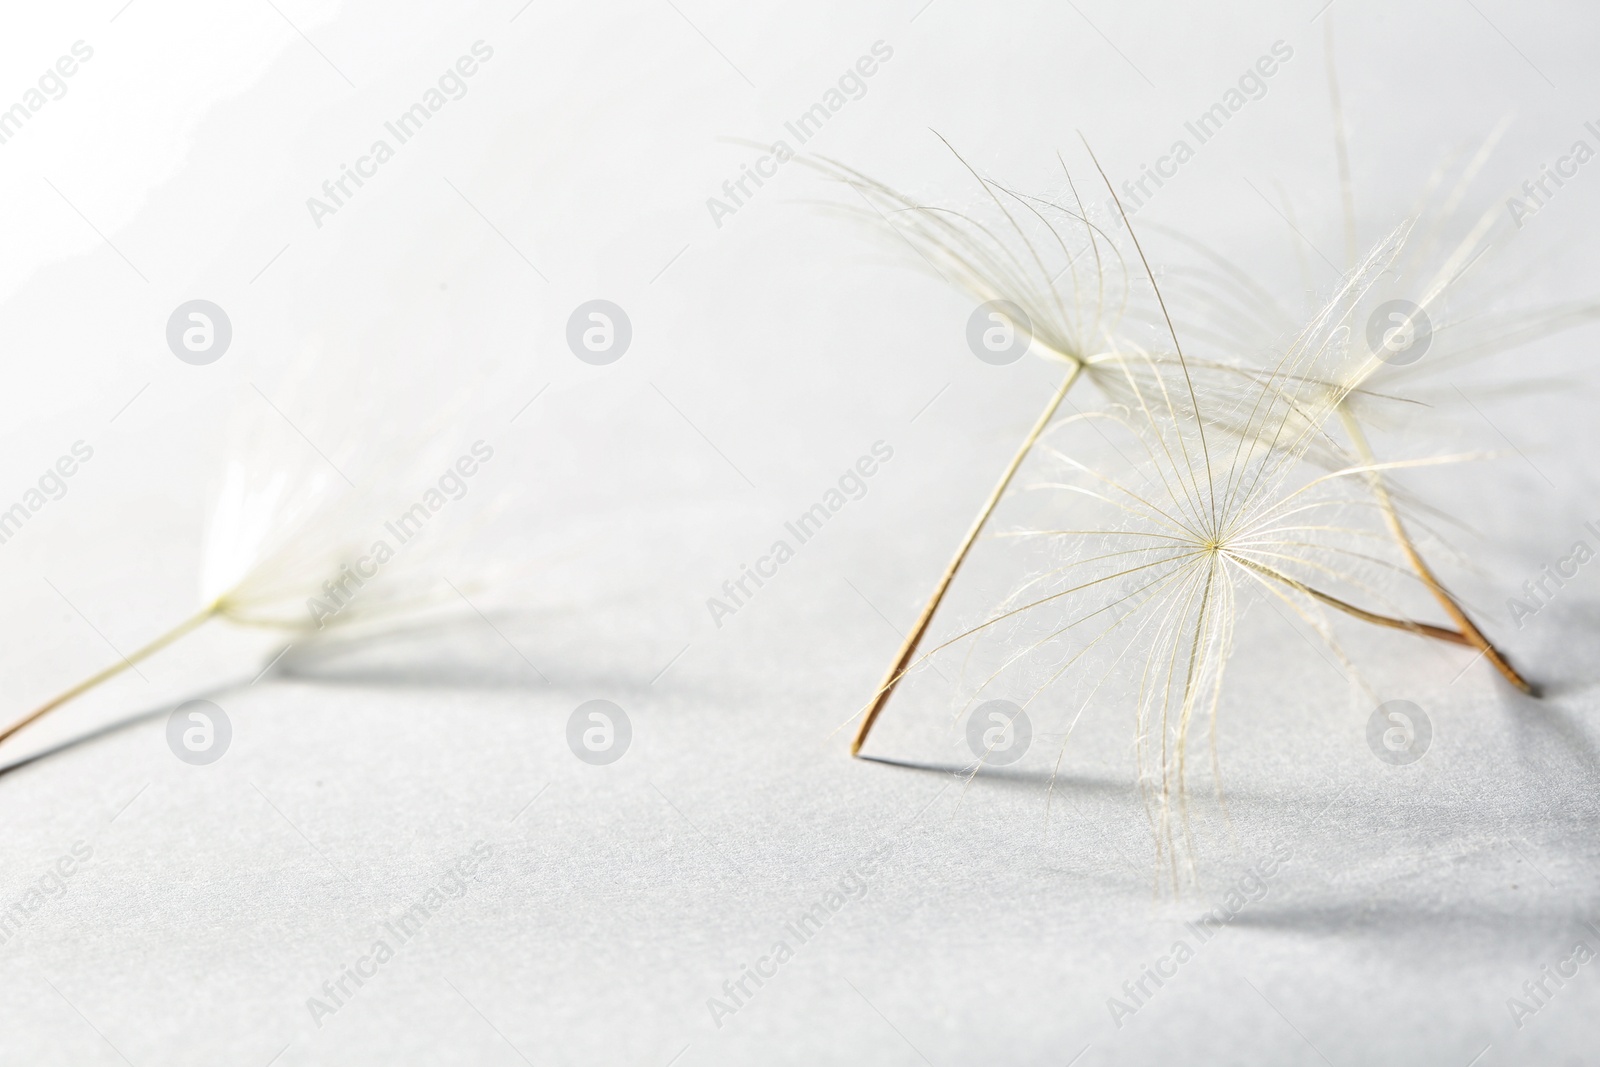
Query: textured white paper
[(610, 912)]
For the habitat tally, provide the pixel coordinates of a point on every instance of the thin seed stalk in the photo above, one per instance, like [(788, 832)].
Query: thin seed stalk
[(1473, 636), (180, 630), (908, 648), (1421, 629)]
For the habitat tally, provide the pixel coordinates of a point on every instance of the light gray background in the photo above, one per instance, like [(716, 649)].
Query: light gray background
[(768, 354)]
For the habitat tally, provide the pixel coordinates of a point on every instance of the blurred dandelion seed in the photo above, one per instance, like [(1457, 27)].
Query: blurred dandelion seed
[(286, 525)]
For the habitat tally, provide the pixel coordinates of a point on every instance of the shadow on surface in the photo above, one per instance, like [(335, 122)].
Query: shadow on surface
[(453, 652), (1014, 776), (115, 726), (1466, 924)]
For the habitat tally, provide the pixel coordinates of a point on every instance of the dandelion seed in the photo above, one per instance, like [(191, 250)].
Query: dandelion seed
[(288, 531), (1214, 497)]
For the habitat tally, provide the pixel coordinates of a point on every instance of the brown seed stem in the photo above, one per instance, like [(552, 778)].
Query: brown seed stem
[(1471, 634), (1422, 629), (908, 648), (191, 623)]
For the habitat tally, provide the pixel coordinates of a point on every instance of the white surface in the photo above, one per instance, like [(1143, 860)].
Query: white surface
[(619, 899)]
